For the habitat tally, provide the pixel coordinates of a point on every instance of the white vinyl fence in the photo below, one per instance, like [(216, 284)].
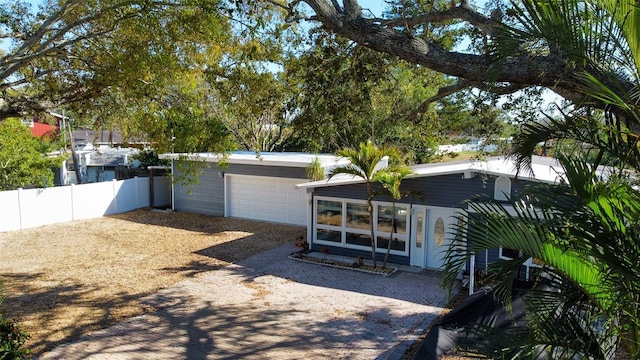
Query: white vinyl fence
[(28, 208)]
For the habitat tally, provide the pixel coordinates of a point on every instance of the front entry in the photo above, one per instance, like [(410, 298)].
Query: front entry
[(440, 220), (430, 227), (418, 235)]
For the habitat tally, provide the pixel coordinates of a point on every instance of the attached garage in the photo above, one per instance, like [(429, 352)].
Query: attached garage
[(266, 198), (247, 186)]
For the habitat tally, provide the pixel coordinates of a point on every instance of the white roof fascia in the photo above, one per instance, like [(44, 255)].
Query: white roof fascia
[(498, 166), (266, 159)]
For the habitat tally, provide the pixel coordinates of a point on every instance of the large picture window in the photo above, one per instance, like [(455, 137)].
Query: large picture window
[(357, 216), (329, 212), (386, 214), (392, 224), (345, 222)]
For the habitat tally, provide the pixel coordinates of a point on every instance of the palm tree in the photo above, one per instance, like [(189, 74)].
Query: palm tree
[(391, 181), (584, 233), (365, 163)]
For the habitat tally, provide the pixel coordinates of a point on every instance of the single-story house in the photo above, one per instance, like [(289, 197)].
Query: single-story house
[(272, 187), (247, 185)]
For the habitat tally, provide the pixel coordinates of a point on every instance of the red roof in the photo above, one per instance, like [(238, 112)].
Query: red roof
[(41, 130)]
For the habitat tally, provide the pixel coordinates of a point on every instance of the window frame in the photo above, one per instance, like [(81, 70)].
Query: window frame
[(343, 229), (385, 234), (505, 257)]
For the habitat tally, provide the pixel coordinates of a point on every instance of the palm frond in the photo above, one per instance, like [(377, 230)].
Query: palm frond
[(348, 170)]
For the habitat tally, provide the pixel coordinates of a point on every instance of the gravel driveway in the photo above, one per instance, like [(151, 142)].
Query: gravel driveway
[(270, 307)]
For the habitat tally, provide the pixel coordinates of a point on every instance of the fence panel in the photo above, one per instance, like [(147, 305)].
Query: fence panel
[(9, 210), (45, 206), (143, 191), (28, 208), (92, 200), (126, 195)]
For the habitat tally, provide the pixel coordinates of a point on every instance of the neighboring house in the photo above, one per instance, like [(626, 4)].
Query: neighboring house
[(42, 130), (103, 137), (251, 186), (98, 137), (94, 164), (101, 163), (335, 211)]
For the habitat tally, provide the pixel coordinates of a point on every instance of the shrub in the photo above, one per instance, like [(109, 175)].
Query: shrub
[(12, 339)]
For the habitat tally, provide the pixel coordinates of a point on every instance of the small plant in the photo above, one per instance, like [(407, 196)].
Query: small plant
[(315, 171), (325, 251), (302, 243), (360, 260)]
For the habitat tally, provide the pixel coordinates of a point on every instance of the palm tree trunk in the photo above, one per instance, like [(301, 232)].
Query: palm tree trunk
[(373, 239), (393, 226)]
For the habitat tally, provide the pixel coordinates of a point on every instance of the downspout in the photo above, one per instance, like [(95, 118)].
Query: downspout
[(309, 217), (173, 205)]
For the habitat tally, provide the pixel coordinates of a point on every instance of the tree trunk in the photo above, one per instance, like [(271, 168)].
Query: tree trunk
[(74, 156), (393, 226), (373, 239)]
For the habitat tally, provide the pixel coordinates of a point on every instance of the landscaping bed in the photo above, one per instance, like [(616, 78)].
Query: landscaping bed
[(353, 265)]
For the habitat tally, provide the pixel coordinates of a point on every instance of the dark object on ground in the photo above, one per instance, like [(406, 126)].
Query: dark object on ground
[(482, 307)]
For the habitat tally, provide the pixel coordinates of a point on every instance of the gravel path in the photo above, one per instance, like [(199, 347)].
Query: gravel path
[(270, 307)]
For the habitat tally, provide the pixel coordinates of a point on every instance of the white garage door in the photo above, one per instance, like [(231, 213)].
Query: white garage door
[(266, 198)]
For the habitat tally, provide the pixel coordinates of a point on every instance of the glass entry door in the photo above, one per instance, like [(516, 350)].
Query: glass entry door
[(418, 235)]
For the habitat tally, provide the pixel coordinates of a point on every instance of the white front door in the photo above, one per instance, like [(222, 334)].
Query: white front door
[(438, 236), (418, 235)]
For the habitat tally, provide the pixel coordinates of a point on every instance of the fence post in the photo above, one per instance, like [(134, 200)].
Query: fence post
[(151, 189)]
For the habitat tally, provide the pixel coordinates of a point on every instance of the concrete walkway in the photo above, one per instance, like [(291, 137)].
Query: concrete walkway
[(270, 307)]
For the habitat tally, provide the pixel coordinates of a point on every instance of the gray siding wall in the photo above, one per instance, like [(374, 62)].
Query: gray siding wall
[(207, 196), (261, 170), (445, 191)]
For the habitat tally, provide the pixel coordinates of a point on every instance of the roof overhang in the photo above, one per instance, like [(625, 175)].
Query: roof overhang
[(544, 170), (301, 160)]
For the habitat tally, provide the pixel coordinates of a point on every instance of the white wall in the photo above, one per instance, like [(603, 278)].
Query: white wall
[(28, 208)]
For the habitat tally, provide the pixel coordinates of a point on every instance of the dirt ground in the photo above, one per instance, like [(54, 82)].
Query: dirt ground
[(65, 280)]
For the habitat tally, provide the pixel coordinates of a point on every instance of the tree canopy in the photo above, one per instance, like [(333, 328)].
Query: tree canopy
[(23, 160), (501, 61), (69, 51), (143, 67)]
